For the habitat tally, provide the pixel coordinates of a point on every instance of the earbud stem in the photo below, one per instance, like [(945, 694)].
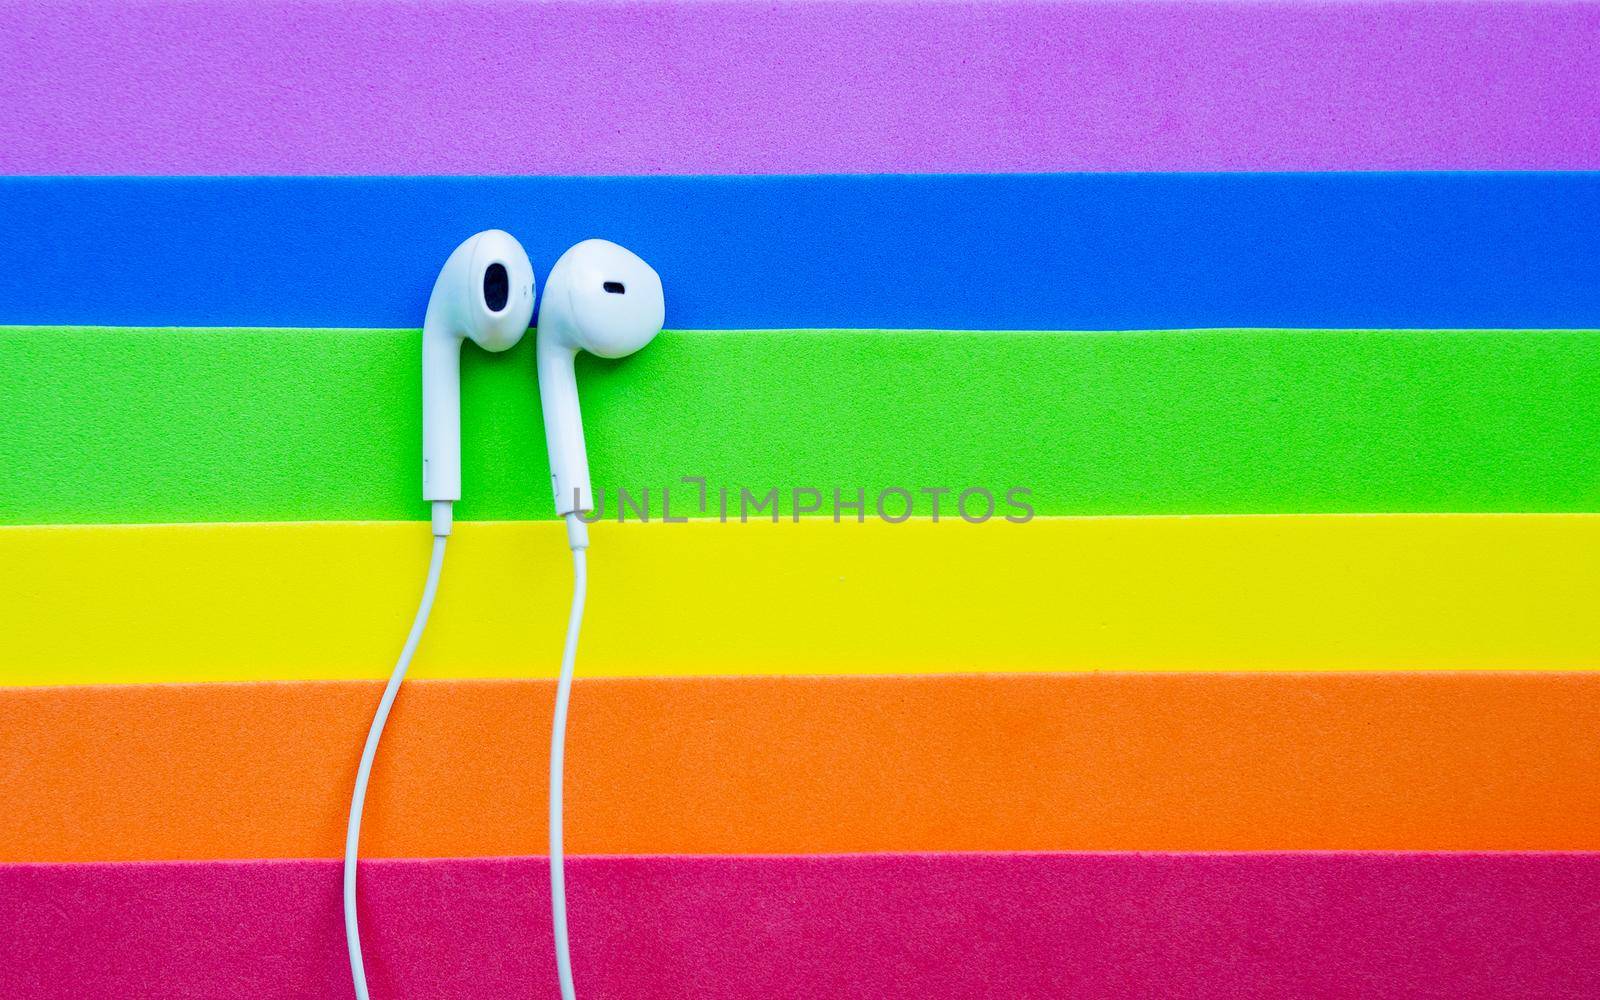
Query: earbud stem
[(441, 414), (563, 426)]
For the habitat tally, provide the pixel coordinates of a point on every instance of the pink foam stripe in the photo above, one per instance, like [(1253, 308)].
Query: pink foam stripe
[(881, 926), (856, 86)]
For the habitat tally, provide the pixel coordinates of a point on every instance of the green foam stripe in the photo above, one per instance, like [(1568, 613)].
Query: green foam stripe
[(162, 425)]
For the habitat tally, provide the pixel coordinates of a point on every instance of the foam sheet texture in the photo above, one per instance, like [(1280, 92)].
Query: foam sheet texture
[(117, 425), (811, 765), (1060, 251), (898, 927), (285, 86)]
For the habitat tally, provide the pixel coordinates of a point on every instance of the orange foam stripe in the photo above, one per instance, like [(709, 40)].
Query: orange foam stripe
[(1197, 762)]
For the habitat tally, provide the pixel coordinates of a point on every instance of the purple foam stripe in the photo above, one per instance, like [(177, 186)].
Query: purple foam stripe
[(1173, 926), (857, 86)]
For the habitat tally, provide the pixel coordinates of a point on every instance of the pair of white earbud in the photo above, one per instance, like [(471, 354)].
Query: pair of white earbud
[(599, 298)]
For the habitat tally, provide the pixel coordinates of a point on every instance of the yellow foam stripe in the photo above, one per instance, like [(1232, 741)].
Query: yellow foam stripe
[(159, 603)]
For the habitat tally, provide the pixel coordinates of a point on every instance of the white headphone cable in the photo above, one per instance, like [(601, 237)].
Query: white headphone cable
[(352, 836), (578, 538)]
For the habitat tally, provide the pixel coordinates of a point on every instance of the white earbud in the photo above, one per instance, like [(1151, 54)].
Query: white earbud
[(602, 299), (485, 294), (599, 298)]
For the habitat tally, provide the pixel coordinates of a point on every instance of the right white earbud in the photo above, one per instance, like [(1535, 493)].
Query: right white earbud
[(599, 298), (602, 299), (484, 294)]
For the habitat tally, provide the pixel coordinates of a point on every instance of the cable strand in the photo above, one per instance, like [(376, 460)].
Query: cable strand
[(358, 798), (558, 748)]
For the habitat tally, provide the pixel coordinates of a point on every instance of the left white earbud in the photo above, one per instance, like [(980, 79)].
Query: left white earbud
[(483, 294)]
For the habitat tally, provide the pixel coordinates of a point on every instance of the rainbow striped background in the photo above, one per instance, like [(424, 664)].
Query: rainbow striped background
[(1286, 313)]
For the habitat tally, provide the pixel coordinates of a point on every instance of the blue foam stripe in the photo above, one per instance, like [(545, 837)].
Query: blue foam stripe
[(1069, 251)]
